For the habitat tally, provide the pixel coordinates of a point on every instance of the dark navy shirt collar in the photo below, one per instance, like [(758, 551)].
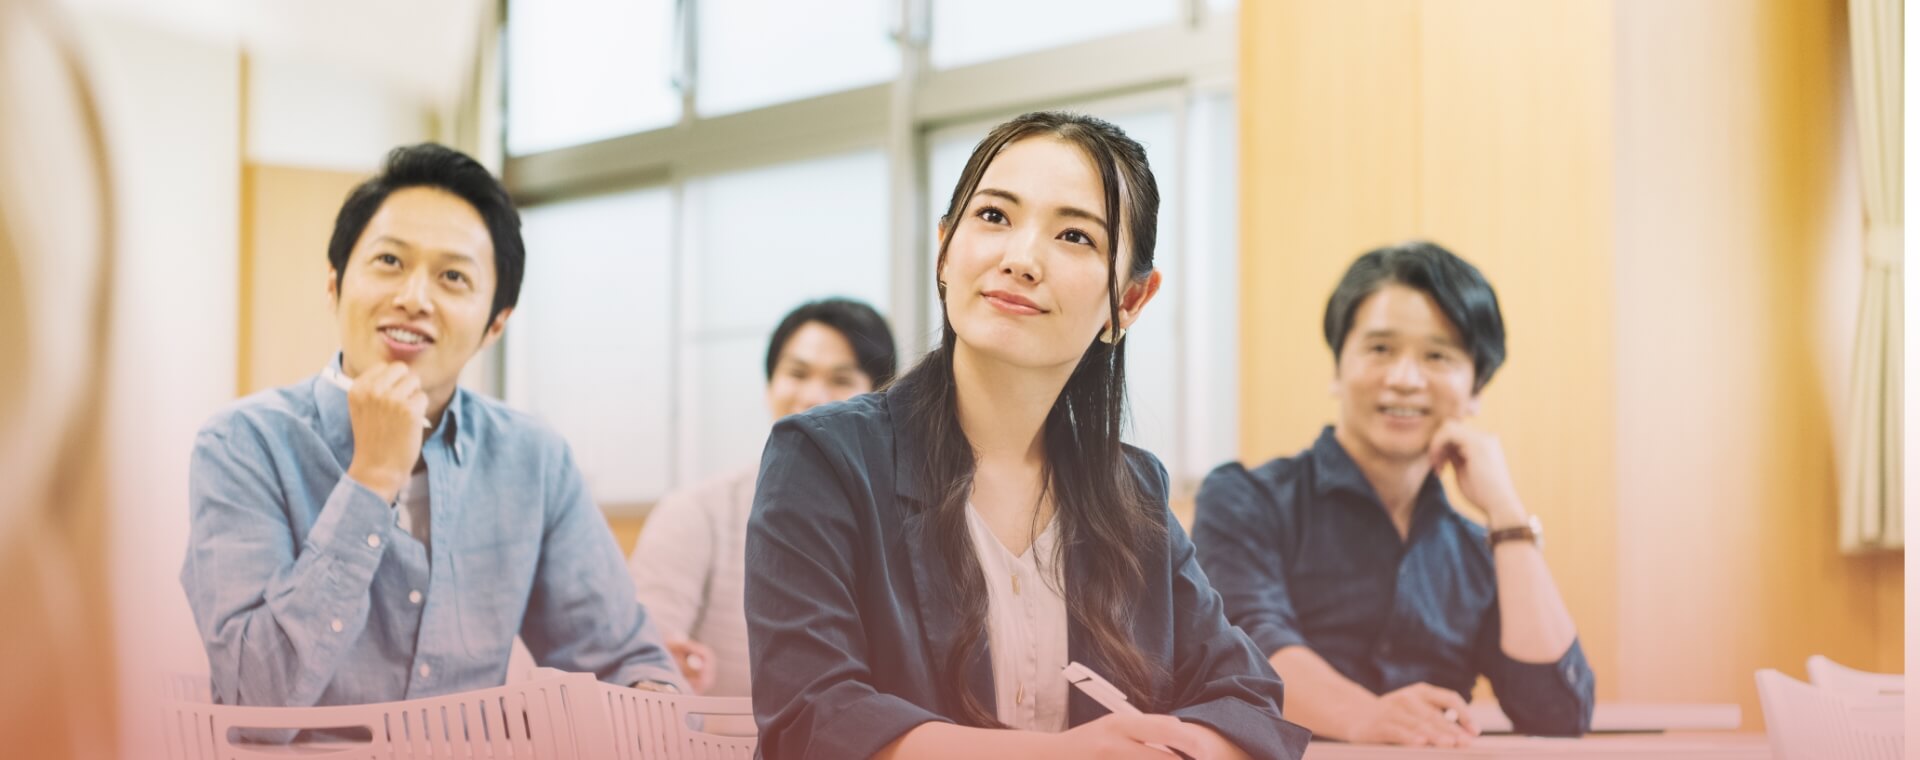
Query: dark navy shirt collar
[(1335, 472)]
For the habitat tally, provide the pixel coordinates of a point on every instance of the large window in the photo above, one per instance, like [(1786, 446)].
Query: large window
[(818, 144), (972, 31), (759, 242), (758, 52), (596, 303), (586, 70)]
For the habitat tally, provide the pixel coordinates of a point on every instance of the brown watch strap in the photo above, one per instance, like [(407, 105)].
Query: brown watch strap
[(1528, 531)]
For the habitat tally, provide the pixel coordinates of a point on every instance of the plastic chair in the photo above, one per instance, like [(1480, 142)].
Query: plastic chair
[(186, 697), (552, 715), (533, 719), (654, 726), (1841, 679), (1805, 722)]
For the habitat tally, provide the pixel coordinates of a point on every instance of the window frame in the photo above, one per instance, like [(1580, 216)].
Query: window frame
[(1195, 56)]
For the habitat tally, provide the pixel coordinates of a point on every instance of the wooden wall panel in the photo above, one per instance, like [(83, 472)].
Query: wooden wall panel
[(286, 326), (1731, 118), (1328, 139), (1515, 170), (1651, 187)]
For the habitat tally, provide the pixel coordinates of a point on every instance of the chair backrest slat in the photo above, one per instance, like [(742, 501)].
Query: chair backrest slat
[(554, 716)]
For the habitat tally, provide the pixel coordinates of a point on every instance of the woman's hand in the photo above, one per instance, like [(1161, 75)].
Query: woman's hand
[(1145, 737)]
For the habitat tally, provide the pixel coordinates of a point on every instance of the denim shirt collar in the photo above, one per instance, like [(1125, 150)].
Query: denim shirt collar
[(337, 423)]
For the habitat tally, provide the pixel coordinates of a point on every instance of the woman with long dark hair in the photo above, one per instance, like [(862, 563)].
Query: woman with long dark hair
[(923, 562)]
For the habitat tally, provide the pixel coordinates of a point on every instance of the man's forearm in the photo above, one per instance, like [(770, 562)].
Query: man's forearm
[(277, 627), (1535, 626), (1317, 696)]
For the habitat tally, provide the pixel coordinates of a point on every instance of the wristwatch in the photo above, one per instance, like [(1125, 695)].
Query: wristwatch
[(1529, 531)]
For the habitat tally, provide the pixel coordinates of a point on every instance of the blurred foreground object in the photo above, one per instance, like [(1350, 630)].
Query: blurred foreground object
[(55, 226)]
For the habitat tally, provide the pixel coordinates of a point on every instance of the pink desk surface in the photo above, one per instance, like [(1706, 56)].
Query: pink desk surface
[(1680, 746)]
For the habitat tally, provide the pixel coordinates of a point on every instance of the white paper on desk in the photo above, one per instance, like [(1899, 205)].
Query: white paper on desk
[(1806, 722), (1627, 717)]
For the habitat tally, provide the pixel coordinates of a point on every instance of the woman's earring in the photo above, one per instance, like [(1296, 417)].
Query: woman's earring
[(1110, 337)]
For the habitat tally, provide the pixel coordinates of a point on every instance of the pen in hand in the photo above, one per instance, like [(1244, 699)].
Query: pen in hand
[(1102, 691), (340, 381)]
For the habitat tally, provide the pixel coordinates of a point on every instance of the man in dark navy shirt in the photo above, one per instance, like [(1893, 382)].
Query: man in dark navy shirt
[(1378, 604)]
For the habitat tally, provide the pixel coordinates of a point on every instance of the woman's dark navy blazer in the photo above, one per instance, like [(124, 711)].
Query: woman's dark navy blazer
[(850, 615)]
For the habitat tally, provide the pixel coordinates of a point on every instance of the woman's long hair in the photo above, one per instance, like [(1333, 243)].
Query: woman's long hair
[(1103, 517)]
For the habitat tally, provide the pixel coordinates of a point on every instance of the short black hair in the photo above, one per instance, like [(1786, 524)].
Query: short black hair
[(438, 166), (1462, 294), (863, 328)]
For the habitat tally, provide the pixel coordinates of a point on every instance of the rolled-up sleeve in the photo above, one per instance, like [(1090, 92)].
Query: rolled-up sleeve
[(1220, 679), (1239, 547), (1544, 699), (582, 615), (812, 689), (277, 619)]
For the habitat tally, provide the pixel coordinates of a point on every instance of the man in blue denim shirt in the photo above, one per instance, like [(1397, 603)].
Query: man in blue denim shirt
[(1377, 603), (377, 533)]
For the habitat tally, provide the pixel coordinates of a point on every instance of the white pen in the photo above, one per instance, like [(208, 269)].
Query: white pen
[(1108, 695), (340, 381)]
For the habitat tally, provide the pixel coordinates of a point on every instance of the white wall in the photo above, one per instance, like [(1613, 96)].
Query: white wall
[(313, 115), (171, 108)]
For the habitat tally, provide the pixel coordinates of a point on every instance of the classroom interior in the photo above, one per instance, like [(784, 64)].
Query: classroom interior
[(1669, 197)]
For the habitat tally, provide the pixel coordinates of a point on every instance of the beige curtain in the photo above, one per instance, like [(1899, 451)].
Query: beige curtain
[(1870, 487)]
